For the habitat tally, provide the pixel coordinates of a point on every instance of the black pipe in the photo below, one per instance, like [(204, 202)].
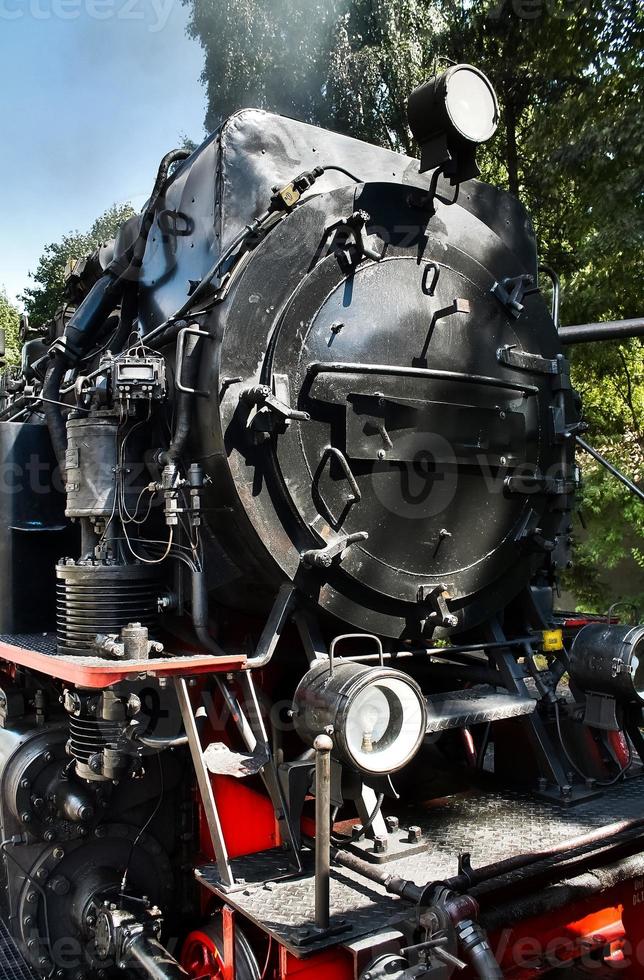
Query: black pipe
[(135, 254), (185, 401), (160, 743), (100, 302), (200, 614), (392, 883), (610, 834), (68, 349), (98, 305), (584, 333), (475, 944), (564, 893), (53, 414)]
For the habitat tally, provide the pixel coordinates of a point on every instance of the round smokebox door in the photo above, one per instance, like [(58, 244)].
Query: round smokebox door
[(413, 423)]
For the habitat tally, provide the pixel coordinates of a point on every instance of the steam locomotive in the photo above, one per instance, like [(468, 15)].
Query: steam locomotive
[(287, 487)]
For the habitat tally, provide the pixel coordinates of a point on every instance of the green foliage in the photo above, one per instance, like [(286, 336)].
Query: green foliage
[(9, 322), (569, 78), (43, 300)]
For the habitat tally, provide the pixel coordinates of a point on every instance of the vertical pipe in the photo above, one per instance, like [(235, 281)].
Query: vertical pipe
[(323, 746)]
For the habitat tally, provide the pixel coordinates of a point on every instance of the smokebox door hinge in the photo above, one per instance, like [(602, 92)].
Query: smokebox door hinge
[(511, 292), (436, 597), (335, 550)]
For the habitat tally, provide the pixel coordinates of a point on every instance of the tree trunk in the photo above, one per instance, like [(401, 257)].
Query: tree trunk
[(511, 152)]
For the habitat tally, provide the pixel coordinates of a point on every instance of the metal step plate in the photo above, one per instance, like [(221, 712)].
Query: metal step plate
[(491, 826), (12, 964), (477, 706)]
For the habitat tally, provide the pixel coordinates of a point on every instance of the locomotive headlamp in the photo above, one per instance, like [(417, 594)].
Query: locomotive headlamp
[(450, 115), (378, 715), (607, 659)]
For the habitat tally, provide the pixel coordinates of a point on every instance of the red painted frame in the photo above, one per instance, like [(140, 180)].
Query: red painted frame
[(104, 675)]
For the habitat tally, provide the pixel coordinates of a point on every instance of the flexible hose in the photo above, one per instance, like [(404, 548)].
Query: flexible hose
[(134, 255), (53, 414), (476, 946), (94, 310)]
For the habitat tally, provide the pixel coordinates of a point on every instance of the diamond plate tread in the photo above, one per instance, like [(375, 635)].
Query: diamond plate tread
[(455, 709), (40, 642), (286, 908), (12, 964), (490, 826), (494, 826), (46, 643)]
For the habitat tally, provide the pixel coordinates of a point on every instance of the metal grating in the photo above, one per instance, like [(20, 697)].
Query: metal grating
[(12, 964), (40, 642)]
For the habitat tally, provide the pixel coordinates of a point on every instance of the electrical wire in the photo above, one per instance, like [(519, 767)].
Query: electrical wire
[(144, 828), (338, 842), (341, 170), (247, 233), (150, 561), (598, 782)]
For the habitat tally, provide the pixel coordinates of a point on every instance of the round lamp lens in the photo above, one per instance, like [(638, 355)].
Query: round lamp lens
[(385, 724), (471, 104)]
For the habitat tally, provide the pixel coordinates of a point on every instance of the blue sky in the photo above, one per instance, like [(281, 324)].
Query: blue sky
[(94, 92)]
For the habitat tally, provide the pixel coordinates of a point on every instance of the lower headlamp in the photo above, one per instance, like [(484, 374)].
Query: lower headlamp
[(378, 714)]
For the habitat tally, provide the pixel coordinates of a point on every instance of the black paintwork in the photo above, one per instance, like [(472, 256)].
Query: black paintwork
[(277, 319)]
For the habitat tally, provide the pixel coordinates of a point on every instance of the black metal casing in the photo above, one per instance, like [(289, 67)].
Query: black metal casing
[(33, 530)]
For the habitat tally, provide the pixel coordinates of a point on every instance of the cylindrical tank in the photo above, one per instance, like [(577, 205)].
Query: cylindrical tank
[(33, 530), (92, 463)]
